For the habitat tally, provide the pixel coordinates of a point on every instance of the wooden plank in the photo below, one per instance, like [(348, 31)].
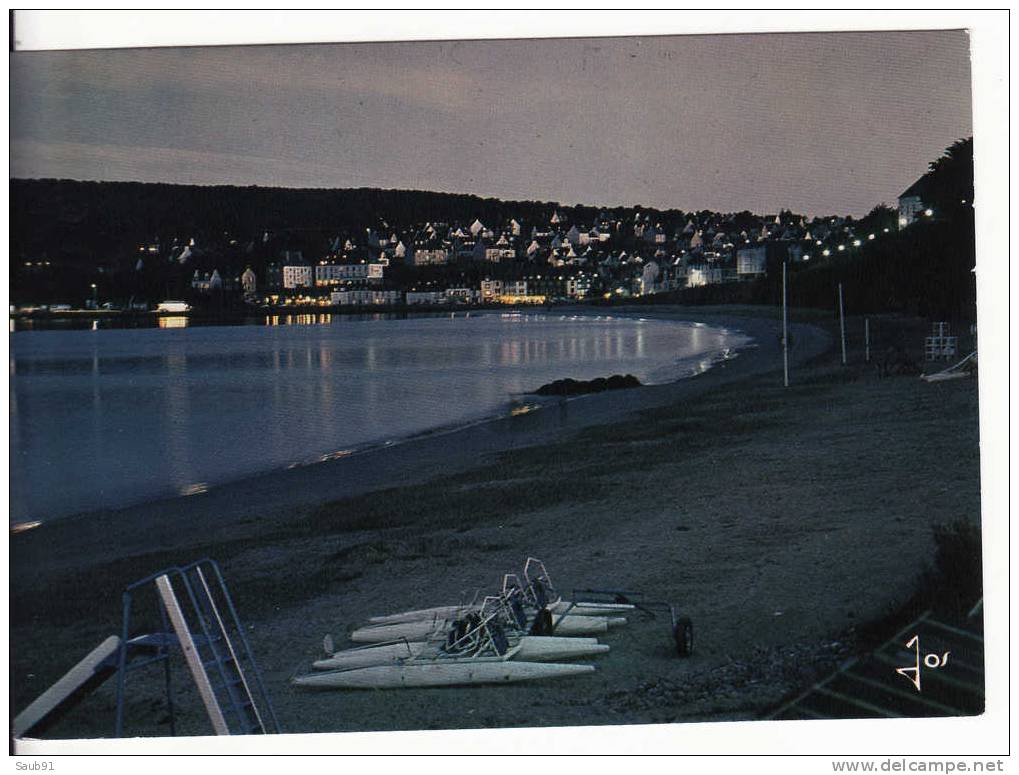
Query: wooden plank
[(192, 656), (68, 687)]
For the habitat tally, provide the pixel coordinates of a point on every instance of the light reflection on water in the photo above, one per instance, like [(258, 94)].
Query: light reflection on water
[(104, 418)]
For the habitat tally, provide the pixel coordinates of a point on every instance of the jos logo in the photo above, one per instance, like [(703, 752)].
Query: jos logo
[(932, 661)]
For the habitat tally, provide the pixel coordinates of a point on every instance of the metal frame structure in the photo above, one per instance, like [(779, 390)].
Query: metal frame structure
[(234, 696), (539, 588), (939, 345)]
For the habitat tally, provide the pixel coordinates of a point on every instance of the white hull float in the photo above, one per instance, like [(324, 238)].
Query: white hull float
[(428, 629), (465, 673), (531, 648), (557, 608)]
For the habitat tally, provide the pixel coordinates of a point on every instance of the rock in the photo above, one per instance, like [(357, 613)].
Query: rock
[(573, 387)]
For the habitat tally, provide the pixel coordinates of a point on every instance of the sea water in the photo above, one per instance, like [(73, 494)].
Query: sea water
[(108, 418)]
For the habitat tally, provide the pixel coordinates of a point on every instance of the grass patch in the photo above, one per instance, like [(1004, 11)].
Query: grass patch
[(949, 587)]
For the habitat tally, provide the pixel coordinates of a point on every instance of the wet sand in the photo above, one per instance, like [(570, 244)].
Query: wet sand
[(777, 519)]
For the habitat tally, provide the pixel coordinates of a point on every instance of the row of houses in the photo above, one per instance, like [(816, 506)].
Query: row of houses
[(635, 254), (325, 274), (533, 290)]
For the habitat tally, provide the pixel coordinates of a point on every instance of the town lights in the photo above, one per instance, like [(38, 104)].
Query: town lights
[(928, 212), (806, 257), (870, 236), (826, 252), (842, 247), (856, 243)]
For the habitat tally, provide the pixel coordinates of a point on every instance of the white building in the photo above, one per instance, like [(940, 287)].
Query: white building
[(207, 282), (514, 288), (649, 278), (429, 257), (491, 289), (697, 276), (495, 255), (365, 298), (415, 298), (298, 276), (463, 295), (578, 287), (911, 204), (751, 262), (334, 274), (249, 282)]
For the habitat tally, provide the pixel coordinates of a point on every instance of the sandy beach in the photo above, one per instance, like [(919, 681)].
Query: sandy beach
[(777, 519)]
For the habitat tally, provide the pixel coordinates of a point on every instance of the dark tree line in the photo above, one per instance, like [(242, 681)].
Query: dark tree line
[(924, 269), (66, 235)]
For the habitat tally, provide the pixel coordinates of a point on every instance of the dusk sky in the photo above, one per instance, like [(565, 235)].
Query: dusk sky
[(819, 123)]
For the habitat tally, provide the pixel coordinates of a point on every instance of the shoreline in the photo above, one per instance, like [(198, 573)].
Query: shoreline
[(530, 402), (400, 461), (777, 519)]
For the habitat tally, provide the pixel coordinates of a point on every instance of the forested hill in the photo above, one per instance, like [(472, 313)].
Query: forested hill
[(50, 215)]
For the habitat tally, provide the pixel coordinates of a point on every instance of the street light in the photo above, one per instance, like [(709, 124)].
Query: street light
[(95, 297)]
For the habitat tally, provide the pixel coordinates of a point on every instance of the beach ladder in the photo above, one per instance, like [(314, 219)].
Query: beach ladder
[(199, 617)]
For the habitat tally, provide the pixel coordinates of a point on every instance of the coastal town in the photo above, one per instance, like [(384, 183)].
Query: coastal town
[(561, 255), (545, 383)]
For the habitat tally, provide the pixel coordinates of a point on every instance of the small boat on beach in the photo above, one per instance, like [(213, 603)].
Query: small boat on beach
[(535, 593), (476, 650), (429, 629), (529, 648), (559, 607), (439, 674), (517, 635)]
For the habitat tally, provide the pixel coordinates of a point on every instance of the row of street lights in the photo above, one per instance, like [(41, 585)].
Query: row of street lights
[(841, 247)]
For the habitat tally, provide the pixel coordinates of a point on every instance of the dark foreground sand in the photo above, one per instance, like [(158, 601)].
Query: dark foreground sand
[(777, 519)]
